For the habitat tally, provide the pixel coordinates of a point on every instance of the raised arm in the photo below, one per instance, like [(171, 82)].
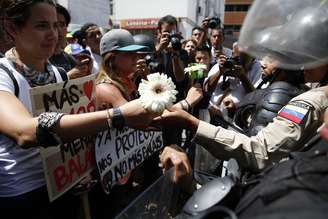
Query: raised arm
[(18, 124)]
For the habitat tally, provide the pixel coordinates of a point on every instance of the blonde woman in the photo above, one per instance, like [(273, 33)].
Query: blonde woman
[(114, 81), (32, 25)]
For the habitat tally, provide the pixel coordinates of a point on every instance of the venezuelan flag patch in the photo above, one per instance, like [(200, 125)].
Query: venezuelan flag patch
[(295, 111)]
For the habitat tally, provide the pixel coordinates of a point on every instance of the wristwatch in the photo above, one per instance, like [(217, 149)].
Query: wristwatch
[(118, 121)]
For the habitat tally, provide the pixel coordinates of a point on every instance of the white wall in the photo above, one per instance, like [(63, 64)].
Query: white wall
[(211, 8), (83, 11), (97, 11), (127, 9)]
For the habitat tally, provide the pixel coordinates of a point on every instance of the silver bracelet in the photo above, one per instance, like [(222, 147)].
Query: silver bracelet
[(49, 120), (185, 105), (45, 136)]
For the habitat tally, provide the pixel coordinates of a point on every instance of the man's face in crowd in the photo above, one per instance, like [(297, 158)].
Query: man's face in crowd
[(168, 28), (190, 47), (202, 57), (217, 38), (62, 31), (93, 37), (196, 34)]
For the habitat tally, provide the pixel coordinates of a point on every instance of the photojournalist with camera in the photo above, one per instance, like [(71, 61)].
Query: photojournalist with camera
[(174, 59), (229, 80), (216, 38), (169, 52)]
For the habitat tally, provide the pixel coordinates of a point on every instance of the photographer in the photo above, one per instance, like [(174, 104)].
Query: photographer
[(199, 35), (229, 80), (170, 53), (146, 63), (217, 48), (84, 61)]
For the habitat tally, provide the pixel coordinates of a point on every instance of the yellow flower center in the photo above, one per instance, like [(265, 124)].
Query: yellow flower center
[(158, 89)]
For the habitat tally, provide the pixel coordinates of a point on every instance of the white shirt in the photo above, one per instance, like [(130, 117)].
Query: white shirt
[(237, 89), (226, 51), (21, 169), (96, 61)]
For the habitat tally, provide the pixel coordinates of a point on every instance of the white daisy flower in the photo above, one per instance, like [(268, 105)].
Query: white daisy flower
[(195, 67), (195, 70), (157, 92)]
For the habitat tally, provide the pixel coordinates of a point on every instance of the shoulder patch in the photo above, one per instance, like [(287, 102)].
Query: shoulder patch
[(295, 111)]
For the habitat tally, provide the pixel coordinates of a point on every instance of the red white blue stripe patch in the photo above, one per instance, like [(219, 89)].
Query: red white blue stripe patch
[(295, 112)]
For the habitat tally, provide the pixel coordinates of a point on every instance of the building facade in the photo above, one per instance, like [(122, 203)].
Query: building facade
[(84, 11), (141, 16), (234, 15)]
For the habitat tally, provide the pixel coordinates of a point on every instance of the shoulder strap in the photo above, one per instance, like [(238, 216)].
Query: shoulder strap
[(62, 73), (12, 77)]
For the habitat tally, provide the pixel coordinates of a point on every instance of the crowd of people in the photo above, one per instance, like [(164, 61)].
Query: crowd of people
[(266, 98)]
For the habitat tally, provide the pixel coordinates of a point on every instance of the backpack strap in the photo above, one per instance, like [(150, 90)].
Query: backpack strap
[(12, 77), (62, 73)]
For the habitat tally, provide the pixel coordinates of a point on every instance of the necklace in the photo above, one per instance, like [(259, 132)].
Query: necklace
[(34, 77)]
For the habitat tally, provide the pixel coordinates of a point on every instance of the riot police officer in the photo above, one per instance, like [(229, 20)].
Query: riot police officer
[(297, 38)]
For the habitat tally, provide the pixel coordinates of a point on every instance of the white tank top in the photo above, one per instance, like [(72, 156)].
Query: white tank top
[(21, 170)]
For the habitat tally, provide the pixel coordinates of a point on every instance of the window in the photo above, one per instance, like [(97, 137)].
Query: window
[(111, 7), (237, 7), (232, 27)]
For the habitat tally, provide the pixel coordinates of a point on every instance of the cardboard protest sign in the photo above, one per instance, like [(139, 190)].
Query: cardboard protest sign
[(118, 152), (67, 164)]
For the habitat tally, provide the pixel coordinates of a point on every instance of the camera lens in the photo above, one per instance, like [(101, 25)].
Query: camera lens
[(228, 64), (214, 22), (231, 62), (176, 44)]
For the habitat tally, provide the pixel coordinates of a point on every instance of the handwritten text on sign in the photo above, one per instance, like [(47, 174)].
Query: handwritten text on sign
[(67, 164), (120, 151)]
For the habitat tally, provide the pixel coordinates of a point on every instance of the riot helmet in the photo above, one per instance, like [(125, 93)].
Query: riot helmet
[(145, 40), (293, 32)]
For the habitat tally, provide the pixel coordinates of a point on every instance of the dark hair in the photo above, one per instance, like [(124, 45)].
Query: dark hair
[(78, 35), (63, 11), (82, 34), (18, 11), (2, 15), (168, 19), (203, 48), (85, 27), (197, 28), (218, 29)]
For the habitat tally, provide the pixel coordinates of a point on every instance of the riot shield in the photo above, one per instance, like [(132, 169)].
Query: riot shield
[(161, 200), (206, 166)]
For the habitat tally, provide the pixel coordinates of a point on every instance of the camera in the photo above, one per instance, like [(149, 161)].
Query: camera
[(214, 22), (175, 41), (152, 64), (231, 62)]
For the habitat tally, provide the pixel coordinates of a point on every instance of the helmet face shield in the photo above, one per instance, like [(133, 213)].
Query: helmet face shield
[(293, 32)]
